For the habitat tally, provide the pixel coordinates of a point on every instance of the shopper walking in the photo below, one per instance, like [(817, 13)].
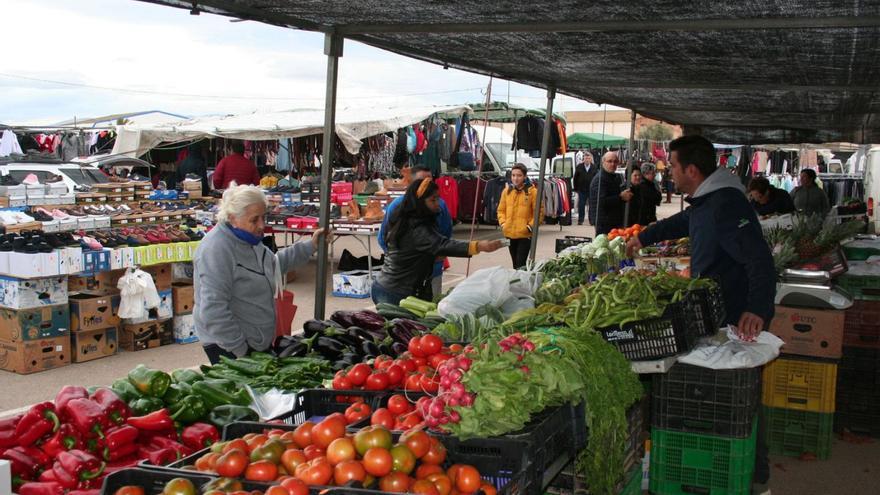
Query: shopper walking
[(235, 168), (444, 226), (413, 245), (768, 200), (583, 176), (194, 164), (647, 195), (237, 277), (727, 244), (516, 214), (607, 196), (808, 198)]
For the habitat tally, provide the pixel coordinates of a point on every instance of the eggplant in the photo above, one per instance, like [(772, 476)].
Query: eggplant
[(344, 318), (360, 333), (343, 336), (369, 320), (330, 348), (370, 348), (398, 348), (313, 327), (298, 349), (386, 348)]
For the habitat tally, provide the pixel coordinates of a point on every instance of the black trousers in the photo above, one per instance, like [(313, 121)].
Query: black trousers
[(519, 251)]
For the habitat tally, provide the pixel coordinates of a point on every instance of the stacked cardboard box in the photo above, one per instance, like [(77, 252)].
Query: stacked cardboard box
[(184, 323), (34, 324)]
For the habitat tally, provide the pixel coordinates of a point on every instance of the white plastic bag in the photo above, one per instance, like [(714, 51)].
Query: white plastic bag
[(735, 353), (486, 286), (137, 294)]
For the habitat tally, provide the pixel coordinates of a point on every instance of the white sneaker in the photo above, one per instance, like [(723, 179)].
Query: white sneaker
[(23, 218), (8, 218)]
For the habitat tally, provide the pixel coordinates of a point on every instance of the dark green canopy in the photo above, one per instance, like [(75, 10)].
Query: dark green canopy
[(586, 140)]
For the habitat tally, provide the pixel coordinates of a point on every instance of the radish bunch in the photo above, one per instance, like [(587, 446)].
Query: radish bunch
[(518, 344), (437, 411)]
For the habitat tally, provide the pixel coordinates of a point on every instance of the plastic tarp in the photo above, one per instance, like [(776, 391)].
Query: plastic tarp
[(585, 140), (352, 125)]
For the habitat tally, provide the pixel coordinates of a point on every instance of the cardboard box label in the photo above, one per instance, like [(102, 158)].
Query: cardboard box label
[(34, 324), (146, 335), (809, 332), (93, 312), (33, 356), (23, 294)]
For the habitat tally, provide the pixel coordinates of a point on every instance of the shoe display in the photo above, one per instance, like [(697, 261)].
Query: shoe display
[(354, 210), (374, 211)]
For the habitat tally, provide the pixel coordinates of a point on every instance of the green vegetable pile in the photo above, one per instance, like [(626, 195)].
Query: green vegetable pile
[(262, 371)]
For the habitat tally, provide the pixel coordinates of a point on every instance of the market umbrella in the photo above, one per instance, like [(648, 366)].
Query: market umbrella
[(586, 140)]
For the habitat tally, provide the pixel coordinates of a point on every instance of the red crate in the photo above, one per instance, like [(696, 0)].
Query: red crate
[(861, 327)]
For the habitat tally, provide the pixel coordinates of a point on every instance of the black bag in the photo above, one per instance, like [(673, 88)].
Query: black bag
[(462, 160)]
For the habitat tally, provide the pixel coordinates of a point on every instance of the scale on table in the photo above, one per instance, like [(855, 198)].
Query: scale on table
[(811, 289)]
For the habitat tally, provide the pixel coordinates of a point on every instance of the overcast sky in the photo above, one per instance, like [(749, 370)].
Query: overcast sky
[(97, 57)]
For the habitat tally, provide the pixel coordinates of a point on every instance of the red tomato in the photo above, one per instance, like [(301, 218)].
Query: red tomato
[(232, 464), (441, 482), (411, 420), (455, 348), (378, 461), (331, 428), (436, 454), (347, 471), (417, 441), (342, 449), (382, 362), (357, 412), (378, 380), (383, 417), (313, 452), (239, 443), (316, 472), (291, 458), (358, 374), (468, 479), (398, 404), (488, 489), (295, 486), (429, 385), (407, 364), (395, 374), (426, 470), (437, 359), (424, 487), (430, 344), (415, 347), (261, 471), (395, 483), (277, 490), (412, 383), (420, 361), (303, 434)]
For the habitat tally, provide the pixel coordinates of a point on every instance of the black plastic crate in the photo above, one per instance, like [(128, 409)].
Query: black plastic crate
[(635, 442), (656, 338), (570, 240), (859, 369), (859, 423), (706, 310), (315, 404), (702, 400), (152, 481)]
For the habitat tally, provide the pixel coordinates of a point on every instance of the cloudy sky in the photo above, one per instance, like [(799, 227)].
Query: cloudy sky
[(97, 57)]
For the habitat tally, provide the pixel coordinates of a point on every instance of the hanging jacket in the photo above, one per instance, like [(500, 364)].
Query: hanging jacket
[(516, 211), (727, 245), (491, 199)]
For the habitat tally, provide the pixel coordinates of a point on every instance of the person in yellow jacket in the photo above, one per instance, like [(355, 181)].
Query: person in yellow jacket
[(516, 214)]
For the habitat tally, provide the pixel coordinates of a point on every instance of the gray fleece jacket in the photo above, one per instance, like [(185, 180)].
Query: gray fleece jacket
[(235, 288)]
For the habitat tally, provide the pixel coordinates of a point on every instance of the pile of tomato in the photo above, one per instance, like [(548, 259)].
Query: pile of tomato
[(324, 454), (415, 370), (625, 233)]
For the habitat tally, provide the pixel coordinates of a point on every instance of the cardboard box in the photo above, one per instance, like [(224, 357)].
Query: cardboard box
[(355, 283), (161, 275), (93, 344), (146, 335), (182, 272), (809, 332), (36, 355), (33, 324), (185, 329), (98, 283), (164, 311), (24, 265), (19, 293), (182, 298), (74, 260), (93, 311)]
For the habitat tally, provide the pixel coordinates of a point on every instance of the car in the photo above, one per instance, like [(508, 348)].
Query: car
[(120, 165), (72, 173)]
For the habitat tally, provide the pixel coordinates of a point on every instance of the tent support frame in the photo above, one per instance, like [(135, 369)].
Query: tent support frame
[(545, 150)]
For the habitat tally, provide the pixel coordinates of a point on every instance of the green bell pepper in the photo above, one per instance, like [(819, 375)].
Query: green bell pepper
[(186, 376), (189, 409), (224, 415), (125, 390), (215, 395), (176, 392), (145, 405), (149, 381)]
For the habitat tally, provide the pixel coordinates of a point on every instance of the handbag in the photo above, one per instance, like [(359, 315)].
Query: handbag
[(285, 311)]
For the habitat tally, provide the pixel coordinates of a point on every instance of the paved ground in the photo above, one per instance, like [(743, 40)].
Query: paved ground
[(851, 470)]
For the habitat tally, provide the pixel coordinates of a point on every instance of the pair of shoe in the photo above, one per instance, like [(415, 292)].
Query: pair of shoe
[(14, 217), (374, 211), (354, 210)]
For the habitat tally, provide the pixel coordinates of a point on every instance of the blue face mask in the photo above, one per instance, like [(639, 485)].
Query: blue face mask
[(246, 236)]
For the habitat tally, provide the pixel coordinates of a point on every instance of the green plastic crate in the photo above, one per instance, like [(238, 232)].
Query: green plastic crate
[(362, 199), (634, 485), (792, 433), (684, 463)]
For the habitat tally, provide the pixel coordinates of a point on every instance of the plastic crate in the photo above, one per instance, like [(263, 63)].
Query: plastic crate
[(859, 371), (152, 481), (656, 338), (315, 404), (861, 287), (858, 423), (706, 310), (792, 433), (570, 240), (861, 326), (564, 484), (702, 400), (635, 445), (708, 464), (800, 384)]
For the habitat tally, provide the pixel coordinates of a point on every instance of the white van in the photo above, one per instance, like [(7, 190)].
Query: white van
[(497, 146)]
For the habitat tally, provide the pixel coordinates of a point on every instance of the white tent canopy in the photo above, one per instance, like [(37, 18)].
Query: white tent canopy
[(352, 125)]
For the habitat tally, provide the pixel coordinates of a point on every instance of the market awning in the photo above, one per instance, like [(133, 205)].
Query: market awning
[(585, 140), (352, 125), (754, 71)]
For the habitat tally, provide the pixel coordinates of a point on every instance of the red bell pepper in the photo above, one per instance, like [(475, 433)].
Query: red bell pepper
[(157, 456), (66, 438), (147, 436), (42, 459), (41, 488), (79, 465), (120, 442), (157, 420), (166, 443), (7, 431), (67, 394), (122, 463), (200, 435), (24, 467), (40, 420), (87, 416), (115, 408)]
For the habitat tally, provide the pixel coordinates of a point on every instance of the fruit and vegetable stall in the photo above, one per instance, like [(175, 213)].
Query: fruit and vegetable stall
[(428, 398)]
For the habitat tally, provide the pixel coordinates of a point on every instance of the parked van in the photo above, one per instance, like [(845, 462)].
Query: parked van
[(872, 188), (498, 153), (72, 174)]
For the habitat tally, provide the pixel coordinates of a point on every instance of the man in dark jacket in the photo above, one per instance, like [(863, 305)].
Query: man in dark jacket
[(607, 196), (194, 163), (583, 177), (768, 200), (727, 244)]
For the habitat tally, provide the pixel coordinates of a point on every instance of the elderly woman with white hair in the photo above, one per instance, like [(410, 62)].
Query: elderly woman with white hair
[(236, 277)]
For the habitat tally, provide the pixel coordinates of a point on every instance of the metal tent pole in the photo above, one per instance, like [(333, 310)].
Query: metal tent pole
[(333, 50), (629, 165), (545, 150)]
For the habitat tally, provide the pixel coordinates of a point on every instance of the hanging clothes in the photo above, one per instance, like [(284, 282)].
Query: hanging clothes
[(491, 199), (448, 190), (282, 160), (470, 190), (431, 155), (9, 143)]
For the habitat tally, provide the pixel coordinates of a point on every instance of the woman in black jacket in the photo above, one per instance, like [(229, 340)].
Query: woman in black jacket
[(649, 196), (413, 243)]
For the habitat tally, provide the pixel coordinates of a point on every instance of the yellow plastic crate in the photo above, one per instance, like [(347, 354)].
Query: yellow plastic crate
[(800, 384)]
